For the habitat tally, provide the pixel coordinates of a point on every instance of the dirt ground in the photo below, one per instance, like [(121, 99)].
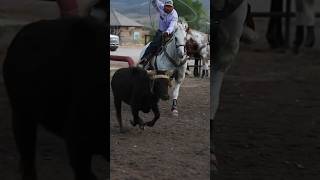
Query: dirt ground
[(268, 125), (175, 148)]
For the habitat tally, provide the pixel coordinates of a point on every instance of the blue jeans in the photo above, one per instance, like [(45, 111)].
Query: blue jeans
[(153, 46)]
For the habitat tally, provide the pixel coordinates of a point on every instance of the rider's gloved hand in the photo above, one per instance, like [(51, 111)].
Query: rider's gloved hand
[(165, 34)]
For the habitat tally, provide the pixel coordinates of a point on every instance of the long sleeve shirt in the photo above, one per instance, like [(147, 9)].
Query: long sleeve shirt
[(166, 21)]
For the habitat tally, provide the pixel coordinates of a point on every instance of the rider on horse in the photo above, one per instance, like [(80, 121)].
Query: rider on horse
[(167, 20)]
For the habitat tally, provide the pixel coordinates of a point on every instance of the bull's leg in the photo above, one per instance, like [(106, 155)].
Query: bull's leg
[(80, 159), (25, 131), (117, 104), (136, 118), (156, 113)]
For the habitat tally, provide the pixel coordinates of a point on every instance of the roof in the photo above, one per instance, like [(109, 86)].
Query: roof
[(117, 19)]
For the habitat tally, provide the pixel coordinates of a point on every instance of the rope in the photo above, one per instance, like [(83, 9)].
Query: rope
[(151, 22), (195, 14)]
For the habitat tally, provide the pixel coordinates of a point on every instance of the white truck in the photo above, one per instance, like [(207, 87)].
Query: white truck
[(114, 42)]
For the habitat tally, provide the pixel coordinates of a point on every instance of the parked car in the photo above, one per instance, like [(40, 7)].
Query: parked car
[(114, 42)]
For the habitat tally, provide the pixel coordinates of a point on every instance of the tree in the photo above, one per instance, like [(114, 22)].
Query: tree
[(193, 12)]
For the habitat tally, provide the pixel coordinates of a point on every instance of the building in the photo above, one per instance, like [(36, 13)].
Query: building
[(129, 31)]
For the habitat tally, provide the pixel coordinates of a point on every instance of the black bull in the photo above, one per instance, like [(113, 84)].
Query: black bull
[(55, 73)]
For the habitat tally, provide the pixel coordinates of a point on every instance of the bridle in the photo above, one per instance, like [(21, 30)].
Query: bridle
[(173, 61)]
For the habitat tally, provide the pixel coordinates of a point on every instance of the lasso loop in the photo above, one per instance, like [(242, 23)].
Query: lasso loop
[(195, 14)]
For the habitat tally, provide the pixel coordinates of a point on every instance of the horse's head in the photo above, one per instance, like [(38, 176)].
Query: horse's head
[(184, 23), (180, 40)]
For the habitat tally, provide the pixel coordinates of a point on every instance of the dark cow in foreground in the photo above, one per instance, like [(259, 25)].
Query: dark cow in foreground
[(55, 73), (141, 90)]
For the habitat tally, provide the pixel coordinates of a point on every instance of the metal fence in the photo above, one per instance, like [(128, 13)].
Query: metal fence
[(287, 14)]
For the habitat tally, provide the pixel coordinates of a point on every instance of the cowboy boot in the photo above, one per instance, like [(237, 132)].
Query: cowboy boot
[(145, 59)]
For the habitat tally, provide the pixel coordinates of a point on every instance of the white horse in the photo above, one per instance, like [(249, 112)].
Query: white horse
[(197, 46), (228, 29), (172, 57)]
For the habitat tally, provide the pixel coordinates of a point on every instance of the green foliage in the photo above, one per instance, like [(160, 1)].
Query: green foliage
[(197, 21)]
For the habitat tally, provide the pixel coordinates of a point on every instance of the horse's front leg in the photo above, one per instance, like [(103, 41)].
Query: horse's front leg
[(205, 68), (175, 93), (156, 112), (196, 66)]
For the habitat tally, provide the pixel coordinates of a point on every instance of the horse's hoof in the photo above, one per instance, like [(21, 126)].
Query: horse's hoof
[(175, 112)]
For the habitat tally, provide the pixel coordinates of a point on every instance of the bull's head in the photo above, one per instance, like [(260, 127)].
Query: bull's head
[(160, 83)]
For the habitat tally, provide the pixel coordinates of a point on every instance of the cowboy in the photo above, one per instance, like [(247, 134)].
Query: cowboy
[(167, 20)]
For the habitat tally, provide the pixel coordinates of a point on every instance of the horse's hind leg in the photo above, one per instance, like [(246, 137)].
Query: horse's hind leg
[(196, 67), (24, 129), (205, 68)]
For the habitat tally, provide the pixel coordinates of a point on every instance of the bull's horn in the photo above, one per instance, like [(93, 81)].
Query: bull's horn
[(169, 72), (151, 72)]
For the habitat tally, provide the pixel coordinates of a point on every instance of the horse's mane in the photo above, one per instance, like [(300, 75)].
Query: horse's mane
[(178, 26)]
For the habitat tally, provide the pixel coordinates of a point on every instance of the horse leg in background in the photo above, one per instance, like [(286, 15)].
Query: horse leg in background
[(203, 72), (205, 66), (228, 33), (196, 66), (188, 72), (216, 84), (274, 32)]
